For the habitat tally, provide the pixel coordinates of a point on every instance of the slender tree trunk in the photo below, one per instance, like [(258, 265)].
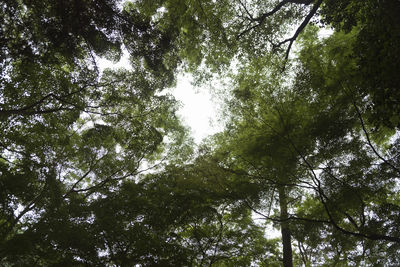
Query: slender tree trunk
[(286, 238)]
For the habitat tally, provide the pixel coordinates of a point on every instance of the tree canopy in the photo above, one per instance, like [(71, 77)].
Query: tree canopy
[(96, 168)]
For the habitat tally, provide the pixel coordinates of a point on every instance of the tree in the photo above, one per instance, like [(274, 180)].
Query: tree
[(268, 128), (305, 135), (96, 168), (71, 132), (361, 166), (218, 33), (48, 165)]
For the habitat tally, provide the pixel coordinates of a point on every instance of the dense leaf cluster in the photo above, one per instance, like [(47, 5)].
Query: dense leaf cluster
[(97, 170)]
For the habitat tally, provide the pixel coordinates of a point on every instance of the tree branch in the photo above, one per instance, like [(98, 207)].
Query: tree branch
[(369, 140), (260, 19), (299, 29), (323, 197)]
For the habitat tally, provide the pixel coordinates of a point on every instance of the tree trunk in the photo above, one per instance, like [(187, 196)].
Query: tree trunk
[(286, 238)]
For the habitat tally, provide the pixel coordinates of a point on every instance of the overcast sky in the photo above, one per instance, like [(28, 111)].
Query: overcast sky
[(198, 110)]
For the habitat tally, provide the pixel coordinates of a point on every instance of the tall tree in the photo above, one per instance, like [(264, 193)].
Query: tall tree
[(362, 164), (306, 135), (70, 132), (268, 125), (310, 143)]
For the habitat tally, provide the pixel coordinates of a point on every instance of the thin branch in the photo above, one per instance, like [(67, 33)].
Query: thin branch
[(299, 29), (369, 140), (323, 197), (302, 252), (28, 208), (249, 15), (25, 111), (260, 19), (278, 219), (72, 189)]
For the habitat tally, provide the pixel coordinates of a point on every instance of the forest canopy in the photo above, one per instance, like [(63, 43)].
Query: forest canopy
[(96, 168)]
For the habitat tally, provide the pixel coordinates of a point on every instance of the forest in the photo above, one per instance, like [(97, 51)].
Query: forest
[(97, 168)]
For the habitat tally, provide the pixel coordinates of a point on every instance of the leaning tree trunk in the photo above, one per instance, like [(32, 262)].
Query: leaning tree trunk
[(286, 238)]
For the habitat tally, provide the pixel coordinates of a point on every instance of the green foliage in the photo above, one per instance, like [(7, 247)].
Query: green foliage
[(97, 170), (69, 132), (375, 51), (310, 132)]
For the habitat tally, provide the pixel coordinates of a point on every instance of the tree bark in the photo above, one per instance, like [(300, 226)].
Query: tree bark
[(285, 231)]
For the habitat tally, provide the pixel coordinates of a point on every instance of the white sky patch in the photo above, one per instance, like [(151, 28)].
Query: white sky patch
[(325, 33), (198, 110), (103, 63)]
